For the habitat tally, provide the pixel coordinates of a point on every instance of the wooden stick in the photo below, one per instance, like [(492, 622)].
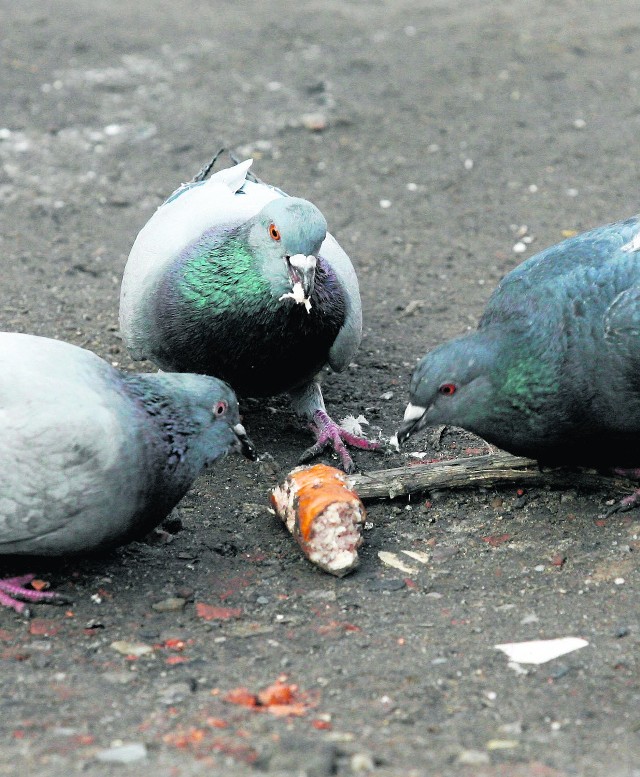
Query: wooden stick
[(490, 470)]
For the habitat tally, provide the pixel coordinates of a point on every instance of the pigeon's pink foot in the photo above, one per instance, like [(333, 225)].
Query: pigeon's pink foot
[(328, 432), (631, 501), (12, 590)]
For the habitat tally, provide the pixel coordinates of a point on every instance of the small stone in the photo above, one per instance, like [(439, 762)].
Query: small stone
[(123, 754), (385, 204), (473, 758), (502, 744), (171, 604), (131, 648), (174, 693), (361, 763), (316, 122)]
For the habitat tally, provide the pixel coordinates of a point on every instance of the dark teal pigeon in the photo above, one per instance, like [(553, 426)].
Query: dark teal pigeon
[(231, 277), (553, 370), (90, 457)]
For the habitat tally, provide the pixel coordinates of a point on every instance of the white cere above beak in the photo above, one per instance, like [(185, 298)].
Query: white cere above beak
[(303, 263), (413, 412)]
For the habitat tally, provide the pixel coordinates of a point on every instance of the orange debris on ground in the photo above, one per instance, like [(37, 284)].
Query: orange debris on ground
[(280, 698)]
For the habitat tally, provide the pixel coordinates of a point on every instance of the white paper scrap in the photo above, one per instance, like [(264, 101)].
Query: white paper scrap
[(393, 560), (539, 651), (417, 555)]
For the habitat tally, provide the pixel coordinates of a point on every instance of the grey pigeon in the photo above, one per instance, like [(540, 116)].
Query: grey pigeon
[(552, 370), (231, 277), (91, 457)]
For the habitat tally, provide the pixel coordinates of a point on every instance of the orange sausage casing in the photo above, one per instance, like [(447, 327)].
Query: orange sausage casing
[(324, 515)]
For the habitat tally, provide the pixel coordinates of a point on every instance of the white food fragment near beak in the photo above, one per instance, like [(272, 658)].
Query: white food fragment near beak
[(393, 442), (297, 294)]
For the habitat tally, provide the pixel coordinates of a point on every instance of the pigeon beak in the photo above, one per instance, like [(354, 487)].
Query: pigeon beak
[(302, 270), (414, 420), (246, 446)]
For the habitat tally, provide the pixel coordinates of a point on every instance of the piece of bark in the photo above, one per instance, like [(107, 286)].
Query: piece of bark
[(490, 470)]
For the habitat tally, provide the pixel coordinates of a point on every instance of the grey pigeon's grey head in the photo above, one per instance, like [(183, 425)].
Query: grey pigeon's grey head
[(212, 408), (286, 237), (451, 385)]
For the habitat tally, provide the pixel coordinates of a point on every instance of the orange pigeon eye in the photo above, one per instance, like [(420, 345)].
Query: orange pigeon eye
[(274, 232), (448, 389)]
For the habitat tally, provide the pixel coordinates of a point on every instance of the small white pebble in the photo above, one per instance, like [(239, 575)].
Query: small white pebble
[(555, 725), (519, 247), (619, 581), (274, 86), (539, 568), (468, 164), (433, 147), (491, 695), (5, 133), (112, 129), (572, 192), (385, 204), (410, 30), (528, 239), (579, 123), (533, 188), (412, 187)]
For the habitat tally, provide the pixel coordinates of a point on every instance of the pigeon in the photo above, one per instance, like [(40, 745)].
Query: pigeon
[(551, 372), (91, 457), (233, 278)]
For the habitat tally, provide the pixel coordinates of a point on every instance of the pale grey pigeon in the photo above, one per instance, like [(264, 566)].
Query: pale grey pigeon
[(91, 457)]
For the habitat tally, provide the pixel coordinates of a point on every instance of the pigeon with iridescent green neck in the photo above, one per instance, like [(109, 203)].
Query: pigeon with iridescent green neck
[(91, 457), (552, 371), (231, 277)]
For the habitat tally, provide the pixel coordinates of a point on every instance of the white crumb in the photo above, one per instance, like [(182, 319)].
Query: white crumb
[(354, 425), (297, 294)]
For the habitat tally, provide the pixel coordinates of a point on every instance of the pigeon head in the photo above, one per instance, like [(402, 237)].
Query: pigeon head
[(452, 385), (212, 409), (286, 236)]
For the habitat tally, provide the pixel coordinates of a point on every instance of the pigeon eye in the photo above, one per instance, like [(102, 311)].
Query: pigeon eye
[(274, 232), (220, 408), (448, 389)]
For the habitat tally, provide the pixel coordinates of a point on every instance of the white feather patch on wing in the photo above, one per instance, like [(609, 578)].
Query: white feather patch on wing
[(632, 245)]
